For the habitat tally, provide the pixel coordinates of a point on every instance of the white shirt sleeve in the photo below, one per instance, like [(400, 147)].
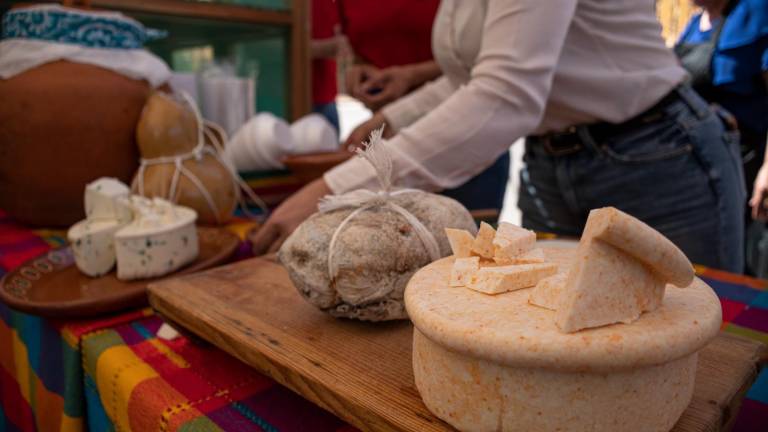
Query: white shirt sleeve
[(503, 101), (413, 106)]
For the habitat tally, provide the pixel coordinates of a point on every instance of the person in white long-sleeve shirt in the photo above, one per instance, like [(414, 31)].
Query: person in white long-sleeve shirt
[(601, 98)]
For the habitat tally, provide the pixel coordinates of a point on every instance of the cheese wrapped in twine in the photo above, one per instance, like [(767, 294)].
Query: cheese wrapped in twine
[(354, 256), (182, 160)]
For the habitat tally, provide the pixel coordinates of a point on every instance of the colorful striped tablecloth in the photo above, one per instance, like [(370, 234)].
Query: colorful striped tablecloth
[(53, 373)]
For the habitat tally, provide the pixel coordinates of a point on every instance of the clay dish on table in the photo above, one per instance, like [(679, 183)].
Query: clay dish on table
[(485, 362), (52, 286), (312, 166)]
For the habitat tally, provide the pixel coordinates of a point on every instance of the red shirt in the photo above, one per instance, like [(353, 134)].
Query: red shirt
[(389, 32), (324, 18)]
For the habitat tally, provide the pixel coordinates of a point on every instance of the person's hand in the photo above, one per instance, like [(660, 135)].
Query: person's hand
[(356, 77), (289, 215), (363, 131), (760, 194), (385, 86)]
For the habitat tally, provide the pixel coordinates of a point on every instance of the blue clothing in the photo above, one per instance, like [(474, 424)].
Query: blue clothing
[(680, 174), (486, 190), (330, 112), (740, 58)]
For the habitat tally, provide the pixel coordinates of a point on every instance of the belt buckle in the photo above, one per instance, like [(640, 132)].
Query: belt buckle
[(561, 150)]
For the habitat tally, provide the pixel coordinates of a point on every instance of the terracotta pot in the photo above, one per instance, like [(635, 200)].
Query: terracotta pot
[(63, 125)]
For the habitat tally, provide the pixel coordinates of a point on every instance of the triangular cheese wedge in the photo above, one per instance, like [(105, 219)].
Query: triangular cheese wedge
[(497, 280), (461, 242), (463, 270), (533, 256), (606, 286), (511, 241), (483, 244), (547, 292), (643, 242)]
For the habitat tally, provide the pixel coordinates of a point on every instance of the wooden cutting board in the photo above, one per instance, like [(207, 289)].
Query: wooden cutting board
[(362, 371)]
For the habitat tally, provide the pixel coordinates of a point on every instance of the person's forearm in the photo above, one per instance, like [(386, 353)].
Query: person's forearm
[(419, 73), (324, 48)]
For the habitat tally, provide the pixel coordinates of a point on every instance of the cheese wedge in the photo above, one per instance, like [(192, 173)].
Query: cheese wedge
[(461, 242), (463, 270), (533, 256), (606, 286), (161, 239), (511, 241), (92, 243), (483, 244), (642, 242), (497, 280), (106, 199), (547, 292)]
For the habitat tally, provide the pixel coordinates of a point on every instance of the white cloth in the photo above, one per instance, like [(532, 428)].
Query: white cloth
[(20, 55), (514, 68)]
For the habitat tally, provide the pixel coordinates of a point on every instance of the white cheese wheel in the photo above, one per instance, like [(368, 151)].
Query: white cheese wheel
[(161, 239), (93, 245), (105, 198)]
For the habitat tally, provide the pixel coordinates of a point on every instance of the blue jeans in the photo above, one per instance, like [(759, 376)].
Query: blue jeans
[(680, 174), (486, 190)]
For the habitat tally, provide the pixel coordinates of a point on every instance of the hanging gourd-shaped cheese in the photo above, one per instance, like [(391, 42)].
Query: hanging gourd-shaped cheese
[(179, 163), (165, 128)]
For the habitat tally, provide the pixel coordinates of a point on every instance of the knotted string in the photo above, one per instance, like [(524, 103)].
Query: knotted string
[(362, 199), (197, 153)]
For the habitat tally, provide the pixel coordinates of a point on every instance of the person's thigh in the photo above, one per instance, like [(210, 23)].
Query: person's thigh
[(544, 198), (681, 178)]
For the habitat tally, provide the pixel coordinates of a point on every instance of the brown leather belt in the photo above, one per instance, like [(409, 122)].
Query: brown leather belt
[(569, 141)]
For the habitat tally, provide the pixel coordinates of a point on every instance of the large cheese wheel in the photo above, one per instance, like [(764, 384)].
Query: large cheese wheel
[(497, 363), (215, 177), (63, 125)]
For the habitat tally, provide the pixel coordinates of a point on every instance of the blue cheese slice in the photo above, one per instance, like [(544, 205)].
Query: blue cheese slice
[(93, 246), (107, 199), (161, 239), (497, 280)]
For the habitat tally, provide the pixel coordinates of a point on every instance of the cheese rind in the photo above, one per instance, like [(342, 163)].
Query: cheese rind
[(497, 280), (105, 198), (547, 292), (161, 239), (511, 241), (93, 245), (483, 244), (460, 241), (642, 242), (463, 270)]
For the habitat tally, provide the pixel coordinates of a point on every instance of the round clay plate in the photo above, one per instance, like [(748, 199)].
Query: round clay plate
[(51, 285)]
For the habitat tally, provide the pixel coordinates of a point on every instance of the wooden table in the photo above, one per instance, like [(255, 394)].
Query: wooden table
[(361, 371)]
